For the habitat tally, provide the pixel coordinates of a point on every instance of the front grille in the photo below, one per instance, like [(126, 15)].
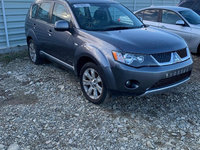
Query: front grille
[(162, 57), (170, 81), (166, 57), (182, 53)]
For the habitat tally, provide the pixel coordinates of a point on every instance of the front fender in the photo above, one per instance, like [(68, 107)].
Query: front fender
[(99, 58), (30, 33), (194, 45)]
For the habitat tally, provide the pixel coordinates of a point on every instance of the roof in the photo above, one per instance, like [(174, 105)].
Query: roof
[(173, 8)]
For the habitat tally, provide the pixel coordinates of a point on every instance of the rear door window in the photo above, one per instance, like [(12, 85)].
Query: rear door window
[(170, 17), (44, 11), (151, 15)]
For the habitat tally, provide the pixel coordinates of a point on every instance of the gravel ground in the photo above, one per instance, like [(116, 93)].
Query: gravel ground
[(42, 107)]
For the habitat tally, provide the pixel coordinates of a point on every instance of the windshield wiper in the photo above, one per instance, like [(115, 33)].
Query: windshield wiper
[(140, 26), (122, 28), (117, 28)]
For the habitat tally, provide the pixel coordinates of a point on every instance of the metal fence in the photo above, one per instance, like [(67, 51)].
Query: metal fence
[(134, 5)]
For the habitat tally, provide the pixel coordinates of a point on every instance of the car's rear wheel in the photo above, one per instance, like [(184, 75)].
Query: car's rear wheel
[(93, 84), (34, 53)]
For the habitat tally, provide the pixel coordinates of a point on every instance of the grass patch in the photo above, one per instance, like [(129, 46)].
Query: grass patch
[(6, 58)]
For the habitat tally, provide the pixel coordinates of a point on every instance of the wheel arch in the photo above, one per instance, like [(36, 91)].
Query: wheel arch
[(28, 38), (81, 62), (85, 54), (31, 35)]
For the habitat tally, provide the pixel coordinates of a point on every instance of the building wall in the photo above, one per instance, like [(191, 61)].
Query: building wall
[(16, 10)]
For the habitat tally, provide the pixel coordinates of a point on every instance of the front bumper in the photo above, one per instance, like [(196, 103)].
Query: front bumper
[(150, 79)]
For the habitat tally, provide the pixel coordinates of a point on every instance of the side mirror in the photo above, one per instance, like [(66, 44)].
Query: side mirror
[(61, 25), (180, 22)]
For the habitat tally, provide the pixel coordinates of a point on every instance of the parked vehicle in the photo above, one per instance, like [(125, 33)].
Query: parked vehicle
[(192, 4), (107, 46), (181, 21)]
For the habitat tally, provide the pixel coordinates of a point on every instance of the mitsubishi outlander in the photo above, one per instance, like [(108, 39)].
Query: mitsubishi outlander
[(107, 47)]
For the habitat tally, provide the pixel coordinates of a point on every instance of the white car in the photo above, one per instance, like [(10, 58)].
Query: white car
[(182, 21)]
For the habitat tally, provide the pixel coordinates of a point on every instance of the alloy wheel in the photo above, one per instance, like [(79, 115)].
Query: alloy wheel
[(92, 83), (32, 52)]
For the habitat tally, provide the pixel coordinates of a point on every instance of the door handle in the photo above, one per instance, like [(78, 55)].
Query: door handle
[(34, 26), (50, 32), (163, 27)]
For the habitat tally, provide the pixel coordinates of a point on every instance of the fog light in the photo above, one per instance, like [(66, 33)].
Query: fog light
[(132, 84)]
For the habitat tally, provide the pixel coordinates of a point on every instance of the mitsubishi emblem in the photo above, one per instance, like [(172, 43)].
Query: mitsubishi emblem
[(176, 58)]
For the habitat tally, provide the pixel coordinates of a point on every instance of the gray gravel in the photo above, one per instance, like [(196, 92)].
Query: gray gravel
[(42, 107)]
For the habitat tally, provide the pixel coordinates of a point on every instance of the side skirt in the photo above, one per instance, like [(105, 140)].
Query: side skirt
[(57, 60)]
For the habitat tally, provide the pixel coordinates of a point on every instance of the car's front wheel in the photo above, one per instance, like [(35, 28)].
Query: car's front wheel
[(34, 53), (93, 83)]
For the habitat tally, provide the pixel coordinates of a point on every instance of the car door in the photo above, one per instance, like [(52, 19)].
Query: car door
[(150, 17), (61, 43), (168, 23), (41, 23)]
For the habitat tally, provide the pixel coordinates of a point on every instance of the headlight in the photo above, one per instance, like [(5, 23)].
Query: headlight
[(135, 60)]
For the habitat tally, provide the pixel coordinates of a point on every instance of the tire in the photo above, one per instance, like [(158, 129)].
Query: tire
[(198, 50), (34, 54), (93, 84)]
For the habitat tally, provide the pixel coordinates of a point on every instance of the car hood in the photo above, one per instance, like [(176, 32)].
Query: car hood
[(143, 40)]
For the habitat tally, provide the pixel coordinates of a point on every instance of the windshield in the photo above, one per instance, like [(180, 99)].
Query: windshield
[(191, 16), (104, 17)]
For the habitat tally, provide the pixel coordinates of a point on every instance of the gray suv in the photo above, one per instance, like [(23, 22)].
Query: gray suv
[(107, 47)]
